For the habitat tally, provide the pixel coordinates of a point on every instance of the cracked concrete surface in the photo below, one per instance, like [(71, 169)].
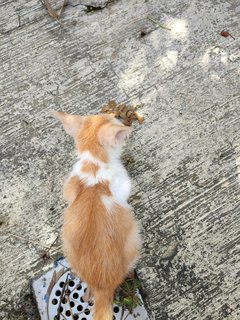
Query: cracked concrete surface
[(184, 160)]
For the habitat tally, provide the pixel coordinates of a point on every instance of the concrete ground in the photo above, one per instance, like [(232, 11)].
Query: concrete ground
[(184, 160)]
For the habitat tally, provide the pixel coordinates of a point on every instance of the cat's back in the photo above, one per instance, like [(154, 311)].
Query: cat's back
[(94, 233), (96, 213)]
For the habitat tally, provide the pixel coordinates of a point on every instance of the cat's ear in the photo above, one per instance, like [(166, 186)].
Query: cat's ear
[(114, 135), (71, 123)]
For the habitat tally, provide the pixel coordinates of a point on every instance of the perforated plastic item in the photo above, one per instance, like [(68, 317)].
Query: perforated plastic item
[(65, 299), (71, 306)]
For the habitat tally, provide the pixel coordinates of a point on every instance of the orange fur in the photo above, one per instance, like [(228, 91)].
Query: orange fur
[(87, 140), (101, 246), (90, 168), (72, 188)]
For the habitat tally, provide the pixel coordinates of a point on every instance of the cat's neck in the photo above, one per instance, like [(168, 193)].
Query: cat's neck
[(93, 171), (86, 156)]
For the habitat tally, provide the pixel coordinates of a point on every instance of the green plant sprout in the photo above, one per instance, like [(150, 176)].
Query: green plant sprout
[(127, 296)]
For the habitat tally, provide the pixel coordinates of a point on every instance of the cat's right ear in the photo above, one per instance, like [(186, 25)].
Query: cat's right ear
[(71, 123)]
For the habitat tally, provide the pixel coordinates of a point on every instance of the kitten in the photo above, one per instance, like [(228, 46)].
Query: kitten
[(100, 235)]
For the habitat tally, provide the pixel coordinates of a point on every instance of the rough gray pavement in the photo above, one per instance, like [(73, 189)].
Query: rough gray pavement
[(184, 160)]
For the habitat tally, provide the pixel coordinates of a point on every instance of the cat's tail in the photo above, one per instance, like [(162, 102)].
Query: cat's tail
[(103, 305)]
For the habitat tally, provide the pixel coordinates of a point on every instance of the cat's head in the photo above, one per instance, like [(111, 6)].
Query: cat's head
[(102, 135)]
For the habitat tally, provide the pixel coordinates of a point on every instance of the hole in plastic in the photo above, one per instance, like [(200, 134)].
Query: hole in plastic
[(116, 309), (75, 295), (79, 307), (68, 313), (58, 293), (71, 283), (87, 311)]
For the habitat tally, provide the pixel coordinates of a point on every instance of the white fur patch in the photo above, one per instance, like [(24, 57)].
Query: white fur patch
[(120, 185), (113, 172), (108, 203)]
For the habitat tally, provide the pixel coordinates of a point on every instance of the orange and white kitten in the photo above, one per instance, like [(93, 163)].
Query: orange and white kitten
[(100, 235)]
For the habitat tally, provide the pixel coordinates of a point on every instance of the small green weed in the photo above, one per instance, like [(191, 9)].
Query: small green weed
[(126, 296)]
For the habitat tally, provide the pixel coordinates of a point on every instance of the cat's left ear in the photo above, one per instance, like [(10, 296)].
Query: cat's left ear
[(114, 135), (71, 123)]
